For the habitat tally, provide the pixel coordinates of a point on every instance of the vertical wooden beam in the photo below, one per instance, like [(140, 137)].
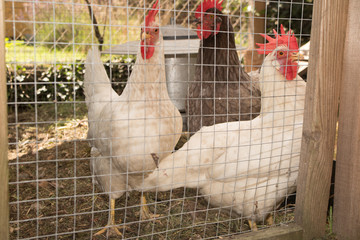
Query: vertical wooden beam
[(320, 116), (252, 59), (23, 29), (4, 200), (347, 177)]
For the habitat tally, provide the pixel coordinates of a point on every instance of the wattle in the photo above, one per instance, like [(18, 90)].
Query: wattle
[(289, 69), (208, 32), (203, 34), (147, 51)]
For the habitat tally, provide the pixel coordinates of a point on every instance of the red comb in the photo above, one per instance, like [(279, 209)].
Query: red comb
[(207, 4), (151, 15), (287, 39)]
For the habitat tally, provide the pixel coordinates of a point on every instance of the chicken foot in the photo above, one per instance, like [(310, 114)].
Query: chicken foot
[(252, 225), (145, 212), (111, 226), (269, 222)]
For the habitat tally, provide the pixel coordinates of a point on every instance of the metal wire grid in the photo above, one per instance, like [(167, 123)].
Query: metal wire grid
[(51, 190)]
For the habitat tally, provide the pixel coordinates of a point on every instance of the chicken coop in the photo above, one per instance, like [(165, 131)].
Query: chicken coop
[(187, 119)]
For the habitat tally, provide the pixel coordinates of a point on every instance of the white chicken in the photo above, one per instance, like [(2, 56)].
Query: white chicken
[(247, 166), (125, 130)]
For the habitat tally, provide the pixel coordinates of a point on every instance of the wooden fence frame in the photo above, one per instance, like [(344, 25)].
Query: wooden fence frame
[(321, 114), (333, 69), (347, 177), (4, 199), (335, 22)]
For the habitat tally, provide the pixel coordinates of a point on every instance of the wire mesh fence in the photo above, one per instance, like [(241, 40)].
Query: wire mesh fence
[(76, 144)]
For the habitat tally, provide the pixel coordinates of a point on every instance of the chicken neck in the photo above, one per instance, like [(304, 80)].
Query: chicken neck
[(277, 93), (148, 78), (217, 56)]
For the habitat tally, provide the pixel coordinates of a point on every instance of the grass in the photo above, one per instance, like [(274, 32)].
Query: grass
[(330, 221), (22, 53), (51, 188), (330, 235), (63, 32)]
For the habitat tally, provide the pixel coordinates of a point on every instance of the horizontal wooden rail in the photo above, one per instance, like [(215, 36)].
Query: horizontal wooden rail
[(284, 232)]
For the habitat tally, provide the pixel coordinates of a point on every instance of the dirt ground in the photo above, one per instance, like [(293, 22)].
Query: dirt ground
[(52, 193)]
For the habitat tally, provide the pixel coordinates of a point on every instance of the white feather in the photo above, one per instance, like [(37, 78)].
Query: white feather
[(126, 129), (248, 166)]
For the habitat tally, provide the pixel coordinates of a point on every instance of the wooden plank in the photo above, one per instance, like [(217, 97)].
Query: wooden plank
[(4, 200), (320, 116), (256, 25), (347, 177), (23, 12), (283, 232)]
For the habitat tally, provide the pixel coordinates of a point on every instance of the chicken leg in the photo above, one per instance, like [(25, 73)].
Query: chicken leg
[(145, 212), (269, 222), (252, 225), (111, 226)]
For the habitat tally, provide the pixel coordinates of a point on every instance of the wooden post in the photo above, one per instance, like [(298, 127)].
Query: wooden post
[(4, 200), (347, 177), (252, 59), (320, 116), (24, 28)]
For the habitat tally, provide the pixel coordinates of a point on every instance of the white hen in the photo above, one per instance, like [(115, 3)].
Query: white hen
[(248, 166), (125, 130)]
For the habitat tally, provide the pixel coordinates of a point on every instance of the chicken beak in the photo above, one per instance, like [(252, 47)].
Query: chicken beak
[(196, 21), (145, 36), (296, 56)]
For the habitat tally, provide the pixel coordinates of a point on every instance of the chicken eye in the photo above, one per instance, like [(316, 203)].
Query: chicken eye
[(156, 30), (281, 53)]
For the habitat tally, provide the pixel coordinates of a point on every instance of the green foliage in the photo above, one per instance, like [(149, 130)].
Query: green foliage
[(64, 83), (60, 82), (119, 71), (330, 221), (56, 83), (296, 14)]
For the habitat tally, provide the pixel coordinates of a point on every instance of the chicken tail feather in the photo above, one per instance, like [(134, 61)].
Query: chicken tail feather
[(97, 87), (179, 169), (96, 82)]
